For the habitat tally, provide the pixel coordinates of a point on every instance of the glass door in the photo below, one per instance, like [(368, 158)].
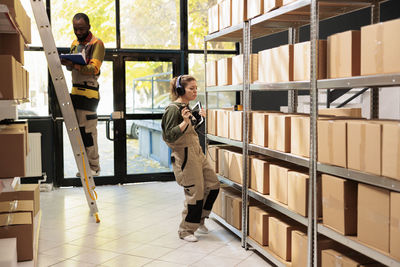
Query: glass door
[(147, 95)]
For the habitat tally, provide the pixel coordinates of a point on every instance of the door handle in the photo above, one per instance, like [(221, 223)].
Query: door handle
[(108, 135)]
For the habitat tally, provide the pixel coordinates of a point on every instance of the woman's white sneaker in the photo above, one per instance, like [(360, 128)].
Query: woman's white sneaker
[(190, 238), (202, 229)]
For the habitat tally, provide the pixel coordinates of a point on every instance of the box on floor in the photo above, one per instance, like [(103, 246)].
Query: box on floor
[(20, 226), (339, 204)]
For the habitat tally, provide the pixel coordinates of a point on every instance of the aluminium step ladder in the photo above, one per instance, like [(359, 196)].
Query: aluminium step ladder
[(67, 109)]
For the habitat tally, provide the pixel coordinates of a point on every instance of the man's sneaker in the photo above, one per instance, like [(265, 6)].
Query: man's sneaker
[(190, 238), (94, 173), (202, 229)]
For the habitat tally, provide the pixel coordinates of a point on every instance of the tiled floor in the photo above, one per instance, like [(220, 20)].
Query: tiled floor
[(138, 228)]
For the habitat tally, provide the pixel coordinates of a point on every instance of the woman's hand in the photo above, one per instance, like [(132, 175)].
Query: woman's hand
[(203, 112), (186, 119)]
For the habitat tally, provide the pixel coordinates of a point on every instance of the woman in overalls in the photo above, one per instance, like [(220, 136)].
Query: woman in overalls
[(191, 168)]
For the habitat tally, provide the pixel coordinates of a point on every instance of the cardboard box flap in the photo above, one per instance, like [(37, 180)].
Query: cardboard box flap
[(15, 218), (16, 205)]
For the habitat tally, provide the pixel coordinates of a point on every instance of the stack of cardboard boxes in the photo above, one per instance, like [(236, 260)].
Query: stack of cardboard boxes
[(19, 207), (227, 13), (18, 210)]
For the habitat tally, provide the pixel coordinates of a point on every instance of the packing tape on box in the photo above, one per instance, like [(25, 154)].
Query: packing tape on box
[(13, 205), (363, 132)]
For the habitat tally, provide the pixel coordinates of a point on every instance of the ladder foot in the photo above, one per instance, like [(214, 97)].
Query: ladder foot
[(96, 216)]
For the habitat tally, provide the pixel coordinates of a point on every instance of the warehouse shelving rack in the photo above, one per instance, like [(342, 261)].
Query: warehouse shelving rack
[(290, 18)]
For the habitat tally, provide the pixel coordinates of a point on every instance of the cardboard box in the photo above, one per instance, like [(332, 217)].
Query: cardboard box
[(12, 44), (223, 122), (276, 64), (10, 79), (280, 237), (278, 183), (300, 248), (233, 204), (225, 14), (395, 225), (25, 77), (339, 204), (254, 8), (373, 216), (24, 192), (270, 5), (259, 175), (334, 258), (8, 252), (391, 150), (20, 17), (258, 225), (301, 61), (279, 132), (364, 148), (298, 192), (212, 123), (235, 167), (237, 69), (211, 67), (344, 54), (16, 206), (236, 125), (259, 129), (212, 156), (341, 112), (239, 11), (213, 19), (223, 162), (217, 207), (13, 139), (332, 142), (19, 225), (379, 48), (300, 136), (224, 72)]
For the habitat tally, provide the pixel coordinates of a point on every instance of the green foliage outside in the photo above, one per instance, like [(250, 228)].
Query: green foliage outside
[(145, 25)]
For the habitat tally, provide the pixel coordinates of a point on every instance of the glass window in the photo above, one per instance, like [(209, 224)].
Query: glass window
[(38, 84), (196, 69), (147, 86), (150, 24), (102, 19), (198, 26), (106, 82)]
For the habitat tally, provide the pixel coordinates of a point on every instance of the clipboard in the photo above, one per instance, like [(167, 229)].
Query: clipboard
[(75, 58)]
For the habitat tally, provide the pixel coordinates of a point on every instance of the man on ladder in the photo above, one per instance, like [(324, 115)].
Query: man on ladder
[(85, 91)]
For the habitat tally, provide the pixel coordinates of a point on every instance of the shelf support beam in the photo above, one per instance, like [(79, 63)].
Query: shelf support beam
[(292, 94), (374, 95)]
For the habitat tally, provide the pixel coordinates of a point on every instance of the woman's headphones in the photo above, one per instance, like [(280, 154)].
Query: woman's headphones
[(179, 88)]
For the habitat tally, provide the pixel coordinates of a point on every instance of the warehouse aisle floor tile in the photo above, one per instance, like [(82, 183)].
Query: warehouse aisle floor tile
[(138, 227)]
